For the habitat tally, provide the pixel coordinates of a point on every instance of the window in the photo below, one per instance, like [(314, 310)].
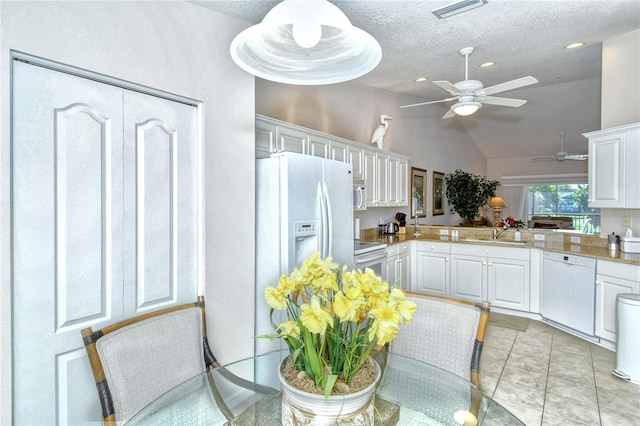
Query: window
[(564, 201)]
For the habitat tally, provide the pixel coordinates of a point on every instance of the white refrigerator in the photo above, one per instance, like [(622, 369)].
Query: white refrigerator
[(304, 204)]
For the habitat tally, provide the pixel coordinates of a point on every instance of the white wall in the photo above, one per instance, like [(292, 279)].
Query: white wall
[(180, 48), (352, 111), (620, 105), (621, 80)]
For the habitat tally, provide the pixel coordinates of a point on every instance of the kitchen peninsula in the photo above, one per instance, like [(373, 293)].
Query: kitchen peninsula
[(508, 273)]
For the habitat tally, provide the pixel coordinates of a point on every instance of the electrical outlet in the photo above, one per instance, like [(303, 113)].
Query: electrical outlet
[(538, 237), (626, 221), (575, 240), (444, 232)]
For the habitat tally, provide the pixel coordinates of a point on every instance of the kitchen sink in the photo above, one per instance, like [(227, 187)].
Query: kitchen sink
[(497, 242)]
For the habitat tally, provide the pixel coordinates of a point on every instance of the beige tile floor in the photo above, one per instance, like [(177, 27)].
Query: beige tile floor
[(546, 377)]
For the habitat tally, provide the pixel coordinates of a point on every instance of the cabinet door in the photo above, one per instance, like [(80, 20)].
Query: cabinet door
[(292, 140), (402, 197), (318, 146), (607, 290), (606, 171), (432, 273), (508, 283), (370, 177), (403, 269), (392, 181), (339, 151), (468, 277), (265, 138), (356, 157), (382, 184)]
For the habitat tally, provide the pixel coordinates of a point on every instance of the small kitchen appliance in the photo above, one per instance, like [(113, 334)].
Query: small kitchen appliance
[(391, 228), (630, 244), (359, 194)]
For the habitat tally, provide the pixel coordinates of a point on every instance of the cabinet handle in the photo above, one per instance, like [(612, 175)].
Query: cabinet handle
[(490, 264), (484, 263), (446, 259), (598, 282)]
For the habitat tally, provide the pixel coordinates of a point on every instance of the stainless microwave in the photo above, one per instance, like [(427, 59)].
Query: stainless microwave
[(359, 194)]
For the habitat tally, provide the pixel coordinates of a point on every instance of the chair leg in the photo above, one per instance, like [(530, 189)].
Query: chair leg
[(219, 400)]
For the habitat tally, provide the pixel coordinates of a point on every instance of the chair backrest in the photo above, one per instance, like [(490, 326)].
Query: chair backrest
[(137, 360), (445, 332)]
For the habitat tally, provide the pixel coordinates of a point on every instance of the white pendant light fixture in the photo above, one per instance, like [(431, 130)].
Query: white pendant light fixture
[(307, 42)]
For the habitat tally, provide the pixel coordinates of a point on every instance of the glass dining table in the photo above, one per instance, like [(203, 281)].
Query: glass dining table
[(247, 392)]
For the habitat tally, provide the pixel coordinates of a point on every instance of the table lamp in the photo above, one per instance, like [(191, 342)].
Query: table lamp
[(497, 203)]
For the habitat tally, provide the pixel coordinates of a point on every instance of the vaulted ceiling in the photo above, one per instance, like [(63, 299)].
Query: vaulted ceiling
[(522, 37)]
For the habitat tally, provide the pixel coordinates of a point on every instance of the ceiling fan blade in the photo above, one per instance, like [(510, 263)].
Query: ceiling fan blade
[(547, 158), (579, 157), (508, 102), (448, 87), (427, 103), (449, 114), (509, 85)]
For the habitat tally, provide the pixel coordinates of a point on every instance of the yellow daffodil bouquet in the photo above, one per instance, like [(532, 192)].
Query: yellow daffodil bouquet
[(335, 318)]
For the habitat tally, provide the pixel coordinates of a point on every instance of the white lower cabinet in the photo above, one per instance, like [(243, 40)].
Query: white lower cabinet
[(508, 283), (497, 274), (432, 272), (468, 277), (612, 278), (399, 265)]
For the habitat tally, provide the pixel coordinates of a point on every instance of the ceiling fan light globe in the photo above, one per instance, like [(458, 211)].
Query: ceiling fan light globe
[(466, 108)]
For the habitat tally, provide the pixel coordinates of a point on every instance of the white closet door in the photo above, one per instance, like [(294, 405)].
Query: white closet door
[(67, 238), (104, 227), (161, 198)]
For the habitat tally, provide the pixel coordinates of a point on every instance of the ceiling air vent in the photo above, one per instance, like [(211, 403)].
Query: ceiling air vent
[(457, 7)]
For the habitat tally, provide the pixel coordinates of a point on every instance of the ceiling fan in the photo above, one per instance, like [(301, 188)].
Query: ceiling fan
[(562, 154), (471, 94)]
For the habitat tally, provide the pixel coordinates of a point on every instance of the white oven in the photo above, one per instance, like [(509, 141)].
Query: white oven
[(372, 256)]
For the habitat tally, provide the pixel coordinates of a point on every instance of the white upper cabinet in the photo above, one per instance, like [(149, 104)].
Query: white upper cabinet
[(386, 174), (265, 138), (614, 167), (319, 146), (292, 140), (339, 151)]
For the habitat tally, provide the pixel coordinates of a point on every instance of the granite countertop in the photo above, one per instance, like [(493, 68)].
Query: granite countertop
[(589, 246)]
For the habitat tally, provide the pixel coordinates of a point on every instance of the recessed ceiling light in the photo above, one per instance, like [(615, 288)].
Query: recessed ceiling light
[(421, 79), (487, 64), (574, 45)]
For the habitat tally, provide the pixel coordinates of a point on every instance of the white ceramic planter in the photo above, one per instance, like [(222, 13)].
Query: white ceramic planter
[(302, 408)]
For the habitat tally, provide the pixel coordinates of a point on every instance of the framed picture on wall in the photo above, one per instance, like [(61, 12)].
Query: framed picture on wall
[(418, 192), (438, 193)]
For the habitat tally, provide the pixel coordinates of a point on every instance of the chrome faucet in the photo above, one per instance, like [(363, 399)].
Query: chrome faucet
[(416, 225), (496, 233)]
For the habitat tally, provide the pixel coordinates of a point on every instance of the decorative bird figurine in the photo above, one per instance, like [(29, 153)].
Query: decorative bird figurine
[(380, 131)]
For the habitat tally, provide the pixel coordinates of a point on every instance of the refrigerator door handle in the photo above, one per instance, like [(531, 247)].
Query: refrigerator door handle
[(329, 221), (323, 220)]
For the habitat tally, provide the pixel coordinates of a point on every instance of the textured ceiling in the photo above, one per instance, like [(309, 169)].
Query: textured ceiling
[(523, 37)]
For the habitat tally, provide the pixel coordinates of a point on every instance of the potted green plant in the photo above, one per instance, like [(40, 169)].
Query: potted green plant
[(467, 192)]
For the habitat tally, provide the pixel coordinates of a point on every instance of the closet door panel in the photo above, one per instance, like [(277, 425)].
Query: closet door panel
[(67, 223), (161, 173)]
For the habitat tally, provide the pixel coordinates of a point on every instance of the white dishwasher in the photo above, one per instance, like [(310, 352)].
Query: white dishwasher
[(569, 291)]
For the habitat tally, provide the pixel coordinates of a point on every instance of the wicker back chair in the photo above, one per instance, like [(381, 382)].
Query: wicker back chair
[(445, 332), (137, 360)]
